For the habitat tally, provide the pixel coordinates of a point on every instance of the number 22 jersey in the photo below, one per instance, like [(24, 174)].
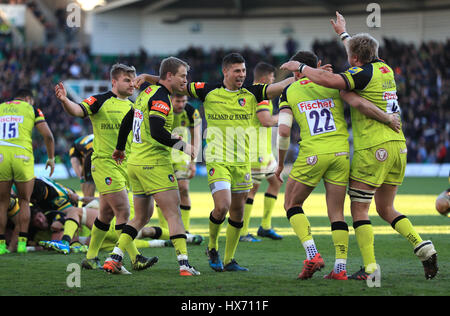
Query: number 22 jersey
[(319, 112)]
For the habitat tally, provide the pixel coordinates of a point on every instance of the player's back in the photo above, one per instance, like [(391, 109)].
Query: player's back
[(319, 112), (17, 119), (375, 82), (154, 101)]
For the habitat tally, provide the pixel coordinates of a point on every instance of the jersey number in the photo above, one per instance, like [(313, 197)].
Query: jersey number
[(9, 130), (137, 122), (320, 122)]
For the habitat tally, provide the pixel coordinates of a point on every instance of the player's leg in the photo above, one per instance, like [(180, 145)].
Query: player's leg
[(169, 202), (222, 201), (143, 207), (88, 187), (361, 195), (5, 193), (245, 235), (185, 202), (296, 194), (24, 191), (235, 223), (270, 198), (384, 200), (335, 197)]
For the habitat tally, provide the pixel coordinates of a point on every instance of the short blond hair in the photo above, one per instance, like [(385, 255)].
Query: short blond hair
[(364, 46)]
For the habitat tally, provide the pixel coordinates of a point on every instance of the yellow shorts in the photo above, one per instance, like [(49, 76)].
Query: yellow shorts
[(152, 179), (238, 176), (381, 164), (16, 164), (109, 177), (333, 168)]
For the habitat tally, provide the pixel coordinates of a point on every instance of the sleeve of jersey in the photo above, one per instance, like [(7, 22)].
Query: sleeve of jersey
[(198, 90), (263, 106), (193, 115), (357, 77), (91, 105), (259, 91), (125, 129), (284, 104), (38, 116), (159, 105)]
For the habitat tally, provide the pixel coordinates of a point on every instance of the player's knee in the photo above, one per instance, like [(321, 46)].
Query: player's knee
[(442, 206)]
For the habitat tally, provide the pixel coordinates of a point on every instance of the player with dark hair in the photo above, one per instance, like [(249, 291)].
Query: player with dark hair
[(379, 160), (17, 119), (230, 108)]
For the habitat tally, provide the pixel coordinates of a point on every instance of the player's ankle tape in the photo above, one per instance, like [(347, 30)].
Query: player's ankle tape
[(185, 208), (178, 236), (249, 201)]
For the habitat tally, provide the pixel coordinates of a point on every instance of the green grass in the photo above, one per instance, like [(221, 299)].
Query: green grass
[(274, 265)]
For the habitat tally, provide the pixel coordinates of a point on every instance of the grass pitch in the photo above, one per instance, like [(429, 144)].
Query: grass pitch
[(274, 265)]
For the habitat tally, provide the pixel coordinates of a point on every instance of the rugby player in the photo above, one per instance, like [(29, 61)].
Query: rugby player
[(379, 161), (80, 158), (323, 154), (263, 162), (230, 108), (150, 165), (17, 119), (106, 112), (187, 124)]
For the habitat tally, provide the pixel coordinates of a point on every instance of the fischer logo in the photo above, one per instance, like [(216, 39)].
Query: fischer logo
[(11, 119), (390, 95), (315, 105)]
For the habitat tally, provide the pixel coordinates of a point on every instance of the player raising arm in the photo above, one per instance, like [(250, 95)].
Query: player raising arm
[(379, 161)]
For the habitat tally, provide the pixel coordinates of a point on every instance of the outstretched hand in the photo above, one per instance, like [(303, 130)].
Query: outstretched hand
[(339, 25)]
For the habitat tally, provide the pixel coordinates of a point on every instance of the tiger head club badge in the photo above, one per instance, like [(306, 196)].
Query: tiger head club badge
[(242, 102), (381, 154), (108, 181), (171, 178), (311, 160), (212, 171), (247, 177)]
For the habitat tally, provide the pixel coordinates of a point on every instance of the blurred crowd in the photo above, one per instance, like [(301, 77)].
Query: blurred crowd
[(422, 75)]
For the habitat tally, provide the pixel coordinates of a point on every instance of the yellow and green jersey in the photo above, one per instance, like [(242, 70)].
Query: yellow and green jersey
[(261, 143), (17, 119), (106, 112), (183, 122), (229, 116), (319, 112), (152, 102), (376, 83)]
